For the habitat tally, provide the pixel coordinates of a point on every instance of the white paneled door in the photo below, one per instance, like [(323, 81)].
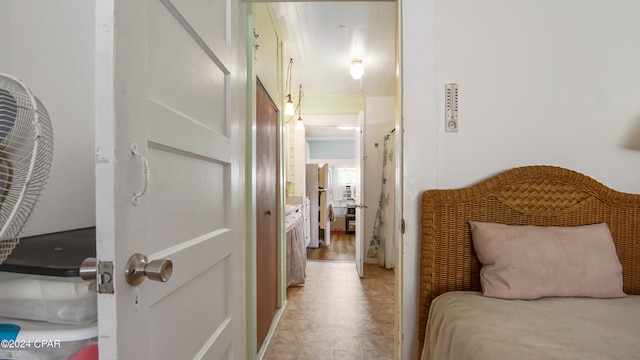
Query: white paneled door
[(359, 193), (171, 83)]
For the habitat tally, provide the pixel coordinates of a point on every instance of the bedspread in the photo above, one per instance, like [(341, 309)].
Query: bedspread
[(467, 325)]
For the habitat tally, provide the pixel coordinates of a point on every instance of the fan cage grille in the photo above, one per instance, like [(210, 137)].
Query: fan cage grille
[(26, 151)]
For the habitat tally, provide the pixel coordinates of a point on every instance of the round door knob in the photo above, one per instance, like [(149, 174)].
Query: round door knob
[(139, 267), (89, 269)]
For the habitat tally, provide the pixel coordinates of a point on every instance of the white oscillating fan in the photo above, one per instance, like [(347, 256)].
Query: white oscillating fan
[(26, 150)]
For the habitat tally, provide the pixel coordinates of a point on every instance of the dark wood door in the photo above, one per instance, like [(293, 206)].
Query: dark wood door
[(266, 206)]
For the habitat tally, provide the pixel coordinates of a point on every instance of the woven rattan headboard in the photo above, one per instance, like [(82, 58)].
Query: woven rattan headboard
[(532, 195)]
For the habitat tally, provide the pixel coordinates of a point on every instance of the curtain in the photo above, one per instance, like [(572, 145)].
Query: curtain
[(296, 253), (382, 243)]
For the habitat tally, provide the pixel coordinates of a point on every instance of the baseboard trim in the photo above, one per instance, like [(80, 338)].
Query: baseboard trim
[(272, 330)]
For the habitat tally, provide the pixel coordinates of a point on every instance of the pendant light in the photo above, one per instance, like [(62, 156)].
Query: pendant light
[(288, 108)]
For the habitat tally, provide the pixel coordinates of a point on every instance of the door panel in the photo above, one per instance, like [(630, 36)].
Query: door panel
[(183, 74), (190, 178), (163, 83), (165, 319), (213, 27)]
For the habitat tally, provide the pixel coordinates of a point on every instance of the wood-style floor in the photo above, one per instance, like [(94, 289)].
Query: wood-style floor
[(337, 315), (342, 248)]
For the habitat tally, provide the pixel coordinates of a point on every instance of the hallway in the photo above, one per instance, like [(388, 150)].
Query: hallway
[(336, 315)]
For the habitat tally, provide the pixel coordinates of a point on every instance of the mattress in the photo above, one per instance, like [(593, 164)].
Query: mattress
[(467, 325)]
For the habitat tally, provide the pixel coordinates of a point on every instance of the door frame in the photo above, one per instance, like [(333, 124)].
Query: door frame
[(279, 219), (253, 351), (399, 225)]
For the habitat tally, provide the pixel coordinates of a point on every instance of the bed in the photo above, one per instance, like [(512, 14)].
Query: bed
[(591, 310)]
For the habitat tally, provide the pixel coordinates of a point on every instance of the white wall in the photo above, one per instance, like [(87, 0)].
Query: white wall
[(49, 45), (541, 82), (267, 55), (380, 119)]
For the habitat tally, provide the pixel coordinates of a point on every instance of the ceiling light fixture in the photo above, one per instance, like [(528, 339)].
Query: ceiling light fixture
[(288, 108), (357, 70)]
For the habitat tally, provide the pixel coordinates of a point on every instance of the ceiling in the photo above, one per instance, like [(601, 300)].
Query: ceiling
[(323, 37)]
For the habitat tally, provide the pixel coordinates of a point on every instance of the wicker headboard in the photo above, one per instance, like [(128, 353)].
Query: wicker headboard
[(532, 195)]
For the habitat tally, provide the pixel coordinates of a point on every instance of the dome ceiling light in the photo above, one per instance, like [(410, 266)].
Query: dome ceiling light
[(357, 70)]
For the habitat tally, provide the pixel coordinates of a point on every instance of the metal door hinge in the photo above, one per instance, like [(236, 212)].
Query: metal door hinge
[(402, 226)]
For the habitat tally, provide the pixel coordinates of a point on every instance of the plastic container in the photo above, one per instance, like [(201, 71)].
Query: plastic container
[(40, 279), (33, 340), (61, 300)]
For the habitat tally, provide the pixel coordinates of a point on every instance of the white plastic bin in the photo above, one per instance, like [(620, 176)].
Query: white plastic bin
[(63, 300), (35, 340), (40, 280)]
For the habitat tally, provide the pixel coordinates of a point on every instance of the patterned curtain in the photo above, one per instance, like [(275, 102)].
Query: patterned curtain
[(296, 254), (382, 244)]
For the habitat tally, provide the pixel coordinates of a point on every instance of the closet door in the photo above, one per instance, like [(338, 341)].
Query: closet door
[(266, 214)]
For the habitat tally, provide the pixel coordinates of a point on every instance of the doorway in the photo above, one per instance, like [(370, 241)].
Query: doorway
[(341, 197), (330, 109), (322, 39)]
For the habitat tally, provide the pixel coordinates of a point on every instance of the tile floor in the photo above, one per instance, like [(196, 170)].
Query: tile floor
[(336, 315)]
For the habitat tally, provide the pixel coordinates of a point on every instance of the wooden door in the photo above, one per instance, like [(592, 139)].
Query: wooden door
[(266, 206), (170, 115)]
